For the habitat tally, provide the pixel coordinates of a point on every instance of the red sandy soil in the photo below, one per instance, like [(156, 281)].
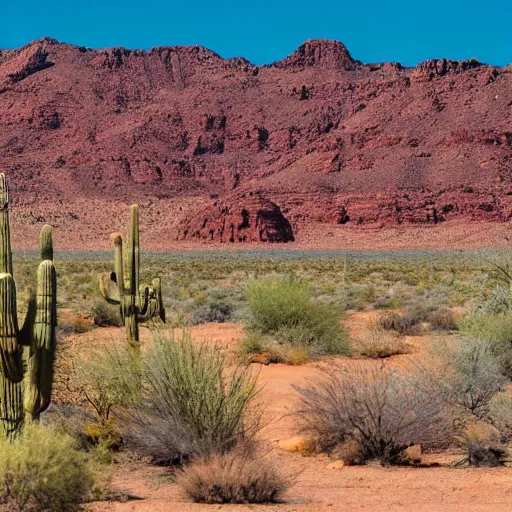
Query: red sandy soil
[(318, 487), (220, 149)]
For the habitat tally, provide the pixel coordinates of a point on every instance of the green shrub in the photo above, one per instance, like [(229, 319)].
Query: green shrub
[(469, 373), (496, 330), (383, 410), (192, 402), (107, 377), (285, 312), (42, 470), (105, 315), (234, 477)]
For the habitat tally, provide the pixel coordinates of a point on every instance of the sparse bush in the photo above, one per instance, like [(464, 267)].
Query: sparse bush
[(82, 324), (483, 446), (500, 413), (384, 410), (42, 470), (497, 302), (234, 477), (192, 404), (284, 313), (496, 330), (407, 324), (107, 377), (105, 315), (377, 343), (468, 374), (441, 319)]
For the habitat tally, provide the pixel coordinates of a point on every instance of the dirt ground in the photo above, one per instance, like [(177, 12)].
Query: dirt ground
[(317, 487)]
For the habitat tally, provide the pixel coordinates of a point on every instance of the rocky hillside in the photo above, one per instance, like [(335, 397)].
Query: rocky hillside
[(222, 150)]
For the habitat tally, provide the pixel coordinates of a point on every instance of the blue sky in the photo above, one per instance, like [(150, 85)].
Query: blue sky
[(373, 31)]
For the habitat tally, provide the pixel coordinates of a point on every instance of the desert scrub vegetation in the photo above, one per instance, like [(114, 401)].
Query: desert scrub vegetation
[(285, 319), (239, 476), (191, 402), (41, 469), (377, 343), (467, 373), (382, 410), (496, 332)]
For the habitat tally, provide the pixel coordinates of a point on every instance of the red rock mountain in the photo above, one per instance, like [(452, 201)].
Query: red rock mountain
[(223, 150)]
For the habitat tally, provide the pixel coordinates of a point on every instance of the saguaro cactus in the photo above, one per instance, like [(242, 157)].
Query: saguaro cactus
[(27, 354), (122, 286)]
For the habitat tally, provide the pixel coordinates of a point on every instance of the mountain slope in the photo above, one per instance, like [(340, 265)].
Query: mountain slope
[(198, 139)]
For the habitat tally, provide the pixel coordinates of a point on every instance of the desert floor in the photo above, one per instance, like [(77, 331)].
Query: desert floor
[(317, 486)]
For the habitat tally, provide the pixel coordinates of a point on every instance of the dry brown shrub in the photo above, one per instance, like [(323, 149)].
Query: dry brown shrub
[(234, 477), (386, 410)]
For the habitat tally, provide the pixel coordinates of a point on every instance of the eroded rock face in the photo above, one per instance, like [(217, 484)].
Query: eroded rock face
[(329, 139), (240, 219)]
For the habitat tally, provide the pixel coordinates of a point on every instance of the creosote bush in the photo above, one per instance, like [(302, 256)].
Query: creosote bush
[(192, 403), (284, 316), (383, 409), (41, 469), (234, 477)]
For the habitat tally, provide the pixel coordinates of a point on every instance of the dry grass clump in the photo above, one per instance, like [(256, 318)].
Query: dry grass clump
[(383, 409), (377, 343), (234, 477)]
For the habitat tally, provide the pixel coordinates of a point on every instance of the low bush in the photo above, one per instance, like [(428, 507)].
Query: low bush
[(407, 324), (382, 409), (234, 477), (107, 377), (376, 343), (483, 446), (192, 403), (105, 315), (496, 330), (42, 470), (468, 373), (442, 319), (284, 315)]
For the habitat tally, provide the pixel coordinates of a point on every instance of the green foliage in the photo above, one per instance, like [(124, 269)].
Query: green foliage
[(284, 312), (234, 477), (105, 315), (496, 330), (192, 402), (469, 374), (42, 470), (107, 377)]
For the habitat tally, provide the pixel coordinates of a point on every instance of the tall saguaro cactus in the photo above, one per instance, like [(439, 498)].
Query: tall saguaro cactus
[(27, 354), (122, 286)]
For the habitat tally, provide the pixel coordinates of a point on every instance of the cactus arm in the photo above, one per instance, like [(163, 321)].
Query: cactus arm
[(134, 251), (5, 232), (39, 375), (157, 287), (25, 335), (46, 243), (11, 356), (109, 288), (144, 299)]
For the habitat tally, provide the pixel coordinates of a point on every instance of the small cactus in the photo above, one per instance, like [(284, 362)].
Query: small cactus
[(122, 287), (26, 355)]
